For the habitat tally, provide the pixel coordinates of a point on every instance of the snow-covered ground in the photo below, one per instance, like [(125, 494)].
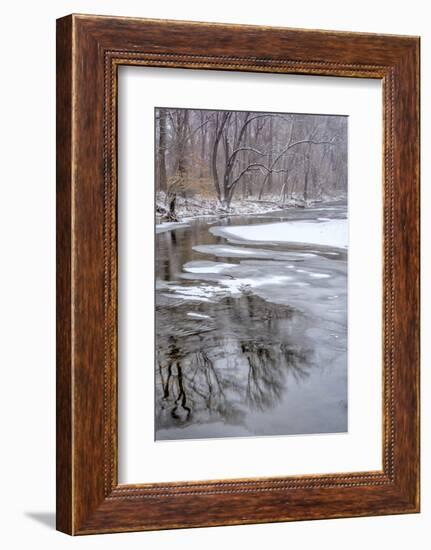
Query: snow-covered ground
[(332, 233)]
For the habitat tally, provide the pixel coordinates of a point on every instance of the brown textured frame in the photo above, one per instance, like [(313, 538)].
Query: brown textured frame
[(89, 51)]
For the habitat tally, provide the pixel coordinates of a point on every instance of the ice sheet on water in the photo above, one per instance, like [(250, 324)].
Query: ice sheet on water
[(206, 267), (319, 275), (229, 251), (198, 315), (198, 292), (168, 226), (333, 233)]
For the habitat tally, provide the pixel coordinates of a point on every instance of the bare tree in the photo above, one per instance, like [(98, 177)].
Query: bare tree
[(161, 148), (271, 155)]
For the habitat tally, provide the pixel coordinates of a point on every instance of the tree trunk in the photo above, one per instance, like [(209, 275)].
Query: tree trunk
[(284, 189), (203, 142), (161, 157), (307, 174), (262, 187), (229, 196), (184, 129), (172, 204), (214, 153), (270, 160), (214, 169)]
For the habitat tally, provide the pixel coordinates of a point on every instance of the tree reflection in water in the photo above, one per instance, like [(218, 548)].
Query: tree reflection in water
[(218, 361)]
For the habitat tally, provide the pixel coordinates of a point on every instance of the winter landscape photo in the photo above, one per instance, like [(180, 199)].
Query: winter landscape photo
[(251, 246)]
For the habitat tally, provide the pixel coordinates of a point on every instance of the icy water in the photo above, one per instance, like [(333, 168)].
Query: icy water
[(251, 337)]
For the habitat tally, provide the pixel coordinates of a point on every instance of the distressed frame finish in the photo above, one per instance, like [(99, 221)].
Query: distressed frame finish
[(89, 51)]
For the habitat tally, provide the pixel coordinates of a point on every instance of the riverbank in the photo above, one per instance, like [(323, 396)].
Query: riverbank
[(188, 209)]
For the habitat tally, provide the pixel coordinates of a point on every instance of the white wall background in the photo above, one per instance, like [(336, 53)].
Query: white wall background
[(27, 245)]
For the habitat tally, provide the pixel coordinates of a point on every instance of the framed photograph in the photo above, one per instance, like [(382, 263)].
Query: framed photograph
[(237, 274)]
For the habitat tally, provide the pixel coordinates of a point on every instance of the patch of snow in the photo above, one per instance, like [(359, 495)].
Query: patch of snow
[(222, 288), (238, 285), (194, 291), (187, 296)]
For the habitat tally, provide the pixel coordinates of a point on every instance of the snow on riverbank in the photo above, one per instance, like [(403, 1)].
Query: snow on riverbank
[(187, 209), (332, 233)]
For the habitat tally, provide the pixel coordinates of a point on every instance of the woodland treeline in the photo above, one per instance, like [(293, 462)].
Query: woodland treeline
[(232, 155)]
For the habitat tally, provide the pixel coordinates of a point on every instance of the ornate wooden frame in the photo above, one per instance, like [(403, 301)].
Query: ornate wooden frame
[(89, 51)]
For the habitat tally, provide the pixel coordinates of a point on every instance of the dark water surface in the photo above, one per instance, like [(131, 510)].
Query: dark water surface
[(251, 337)]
